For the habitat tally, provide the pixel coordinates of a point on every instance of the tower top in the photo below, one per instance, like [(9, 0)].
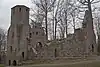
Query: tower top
[(20, 6), (20, 15)]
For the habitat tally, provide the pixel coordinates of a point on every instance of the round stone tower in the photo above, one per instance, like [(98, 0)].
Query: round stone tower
[(18, 32), (19, 13)]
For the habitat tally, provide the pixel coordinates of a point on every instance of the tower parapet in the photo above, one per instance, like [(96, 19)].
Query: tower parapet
[(19, 14)]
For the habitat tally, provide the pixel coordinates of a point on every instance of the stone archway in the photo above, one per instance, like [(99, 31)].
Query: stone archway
[(14, 63), (39, 44)]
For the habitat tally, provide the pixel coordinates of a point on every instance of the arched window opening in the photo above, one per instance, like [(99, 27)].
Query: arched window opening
[(40, 44)]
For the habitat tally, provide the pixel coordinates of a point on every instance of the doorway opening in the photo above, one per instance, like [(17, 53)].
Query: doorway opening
[(14, 63), (92, 48), (23, 55), (9, 62), (55, 52)]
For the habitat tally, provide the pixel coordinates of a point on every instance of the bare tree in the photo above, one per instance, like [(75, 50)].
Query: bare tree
[(61, 15), (2, 41), (36, 16), (97, 27), (2, 37), (56, 15), (71, 11), (45, 6), (67, 8), (88, 4)]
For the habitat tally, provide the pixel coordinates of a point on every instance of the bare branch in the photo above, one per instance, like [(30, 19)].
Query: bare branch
[(95, 2), (84, 2), (92, 1), (80, 18), (82, 7)]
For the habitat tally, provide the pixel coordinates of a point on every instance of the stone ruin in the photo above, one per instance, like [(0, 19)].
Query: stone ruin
[(26, 43)]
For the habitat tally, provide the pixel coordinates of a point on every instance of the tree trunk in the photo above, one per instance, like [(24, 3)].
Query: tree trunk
[(46, 21), (73, 16), (66, 22), (90, 11), (55, 28), (46, 25), (53, 24)]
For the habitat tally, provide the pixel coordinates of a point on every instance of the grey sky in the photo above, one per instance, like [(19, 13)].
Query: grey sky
[(5, 7)]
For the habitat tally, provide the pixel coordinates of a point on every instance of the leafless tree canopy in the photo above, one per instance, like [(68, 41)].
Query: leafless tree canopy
[(2, 39), (61, 17)]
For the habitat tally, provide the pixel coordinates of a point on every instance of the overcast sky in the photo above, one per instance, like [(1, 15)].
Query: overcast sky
[(5, 7)]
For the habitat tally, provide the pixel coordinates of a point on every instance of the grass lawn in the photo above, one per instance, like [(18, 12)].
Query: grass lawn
[(1, 65), (63, 63), (85, 64), (92, 64)]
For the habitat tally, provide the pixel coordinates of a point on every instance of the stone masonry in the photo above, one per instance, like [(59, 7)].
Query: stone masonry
[(28, 43)]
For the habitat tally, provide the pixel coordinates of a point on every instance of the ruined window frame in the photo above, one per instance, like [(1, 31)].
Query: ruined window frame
[(20, 9), (30, 35), (26, 9), (11, 49), (37, 33)]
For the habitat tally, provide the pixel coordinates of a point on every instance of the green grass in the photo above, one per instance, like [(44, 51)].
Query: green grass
[(90, 64), (1, 65)]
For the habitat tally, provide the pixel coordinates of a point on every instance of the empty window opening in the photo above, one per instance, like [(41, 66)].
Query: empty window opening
[(23, 54), (36, 33), (19, 9), (40, 44), (30, 35), (26, 9), (9, 62), (35, 26), (55, 52), (11, 49), (14, 63), (92, 48)]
